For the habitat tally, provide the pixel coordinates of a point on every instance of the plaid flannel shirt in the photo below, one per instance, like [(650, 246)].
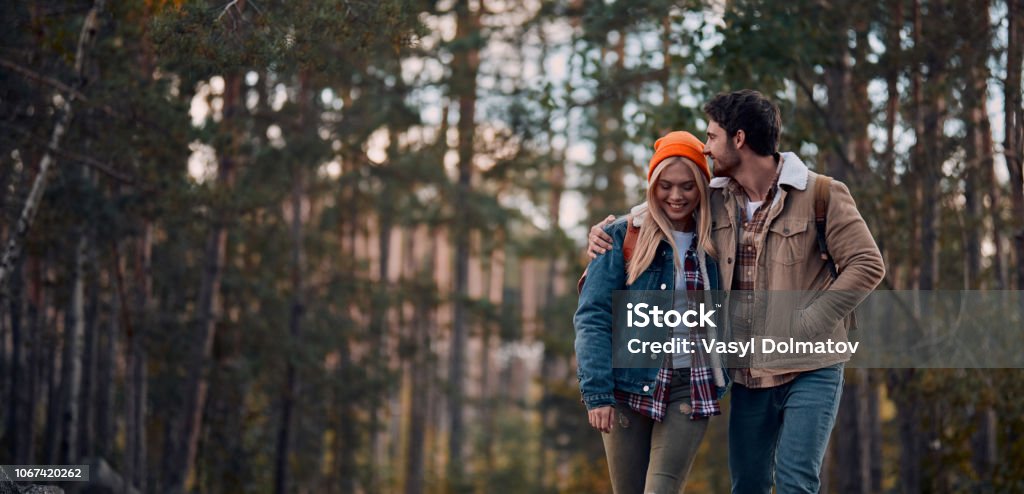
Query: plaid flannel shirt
[(748, 309)]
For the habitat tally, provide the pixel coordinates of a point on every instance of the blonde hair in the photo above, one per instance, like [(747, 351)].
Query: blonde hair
[(656, 226)]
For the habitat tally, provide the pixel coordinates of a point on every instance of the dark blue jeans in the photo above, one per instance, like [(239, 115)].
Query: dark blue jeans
[(782, 432)]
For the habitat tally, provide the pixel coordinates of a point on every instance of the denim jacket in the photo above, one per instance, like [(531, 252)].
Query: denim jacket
[(593, 319)]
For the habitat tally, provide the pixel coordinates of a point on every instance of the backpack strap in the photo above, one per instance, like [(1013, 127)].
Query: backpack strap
[(628, 244), (822, 195)]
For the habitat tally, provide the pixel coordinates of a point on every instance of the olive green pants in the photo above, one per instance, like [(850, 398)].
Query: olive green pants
[(647, 457)]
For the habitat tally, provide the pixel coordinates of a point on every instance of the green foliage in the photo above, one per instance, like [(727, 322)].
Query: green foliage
[(204, 38)]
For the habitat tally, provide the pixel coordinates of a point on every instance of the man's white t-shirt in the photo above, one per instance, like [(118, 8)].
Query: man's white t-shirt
[(752, 207)]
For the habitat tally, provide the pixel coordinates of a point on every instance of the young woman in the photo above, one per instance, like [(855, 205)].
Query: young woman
[(653, 419)]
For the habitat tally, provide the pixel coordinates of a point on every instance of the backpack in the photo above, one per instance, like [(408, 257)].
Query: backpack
[(628, 244)]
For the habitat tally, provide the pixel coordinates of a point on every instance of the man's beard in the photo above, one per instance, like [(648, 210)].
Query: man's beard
[(727, 163)]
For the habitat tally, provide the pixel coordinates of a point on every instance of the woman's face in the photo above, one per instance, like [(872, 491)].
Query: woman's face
[(676, 193)]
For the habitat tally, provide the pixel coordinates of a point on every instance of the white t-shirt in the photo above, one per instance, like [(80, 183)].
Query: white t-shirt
[(683, 242), (752, 207)]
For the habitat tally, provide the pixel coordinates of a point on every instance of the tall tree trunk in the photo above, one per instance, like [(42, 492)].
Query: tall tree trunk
[(556, 178), (932, 142), (15, 309), (20, 428), (1013, 143), (837, 83), (379, 322), (74, 336), (931, 108), (298, 303), (893, 46), (993, 191), (875, 428), (144, 297), (105, 420), (916, 155), (87, 429), (984, 444), (892, 72), (423, 314), (492, 264), (978, 152), (53, 361), (348, 429), (41, 338), (135, 464), (851, 110), (859, 102), (135, 360), (853, 475), (979, 165), (464, 70), (346, 421), (900, 380), (930, 197), (185, 443)]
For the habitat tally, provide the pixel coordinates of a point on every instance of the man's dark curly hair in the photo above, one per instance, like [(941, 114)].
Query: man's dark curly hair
[(750, 111)]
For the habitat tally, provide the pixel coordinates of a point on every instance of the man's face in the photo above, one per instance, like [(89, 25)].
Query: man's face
[(721, 149)]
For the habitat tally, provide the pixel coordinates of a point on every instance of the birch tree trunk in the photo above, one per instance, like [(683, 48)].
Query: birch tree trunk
[(73, 341), (12, 251)]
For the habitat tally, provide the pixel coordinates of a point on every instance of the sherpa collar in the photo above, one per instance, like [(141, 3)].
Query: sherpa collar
[(793, 174)]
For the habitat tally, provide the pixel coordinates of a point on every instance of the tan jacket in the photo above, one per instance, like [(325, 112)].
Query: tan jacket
[(790, 270)]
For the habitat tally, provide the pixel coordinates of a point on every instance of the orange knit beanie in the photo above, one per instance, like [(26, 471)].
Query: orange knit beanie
[(679, 143)]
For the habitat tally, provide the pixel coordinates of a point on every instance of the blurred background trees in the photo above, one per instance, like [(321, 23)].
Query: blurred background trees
[(331, 246)]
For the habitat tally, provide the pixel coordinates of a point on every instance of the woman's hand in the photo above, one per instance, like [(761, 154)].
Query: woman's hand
[(599, 242), (601, 418)]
